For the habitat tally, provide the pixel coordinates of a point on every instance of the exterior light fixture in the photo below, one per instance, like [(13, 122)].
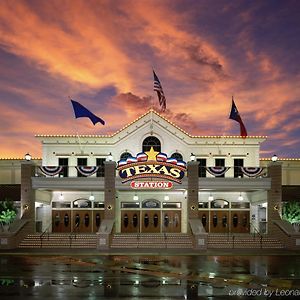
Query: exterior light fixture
[(240, 197), (274, 158), (210, 197), (27, 156), (192, 157), (91, 197), (61, 196), (167, 198), (110, 157), (135, 197)]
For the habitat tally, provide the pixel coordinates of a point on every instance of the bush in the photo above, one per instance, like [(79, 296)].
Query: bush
[(7, 205), (8, 212), (291, 212), (7, 217)]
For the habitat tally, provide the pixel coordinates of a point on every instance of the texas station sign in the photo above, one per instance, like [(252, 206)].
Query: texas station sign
[(151, 165)]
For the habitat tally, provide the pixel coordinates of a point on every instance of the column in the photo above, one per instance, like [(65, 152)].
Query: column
[(274, 196), (27, 192), (110, 189), (193, 186)]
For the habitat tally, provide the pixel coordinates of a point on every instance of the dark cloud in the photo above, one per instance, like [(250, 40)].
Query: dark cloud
[(199, 56), (134, 103)]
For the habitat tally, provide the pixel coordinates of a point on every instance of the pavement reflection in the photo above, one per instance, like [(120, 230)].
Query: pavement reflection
[(155, 277)]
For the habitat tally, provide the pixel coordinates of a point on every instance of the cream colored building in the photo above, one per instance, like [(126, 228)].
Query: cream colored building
[(236, 201)]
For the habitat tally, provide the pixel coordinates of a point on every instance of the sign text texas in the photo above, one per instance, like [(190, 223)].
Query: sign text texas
[(151, 164)]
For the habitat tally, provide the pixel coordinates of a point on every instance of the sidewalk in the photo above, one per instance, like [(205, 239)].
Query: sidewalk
[(154, 252)]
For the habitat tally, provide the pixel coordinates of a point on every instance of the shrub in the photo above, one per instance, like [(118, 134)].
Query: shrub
[(291, 212)]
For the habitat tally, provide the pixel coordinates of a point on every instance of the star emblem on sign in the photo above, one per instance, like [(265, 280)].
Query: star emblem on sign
[(152, 154)]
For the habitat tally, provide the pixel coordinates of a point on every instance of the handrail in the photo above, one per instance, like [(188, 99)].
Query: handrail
[(285, 227), (255, 229), (44, 233), (73, 233), (259, 234)]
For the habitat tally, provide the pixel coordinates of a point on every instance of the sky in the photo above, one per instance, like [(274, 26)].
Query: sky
[(101, 53)]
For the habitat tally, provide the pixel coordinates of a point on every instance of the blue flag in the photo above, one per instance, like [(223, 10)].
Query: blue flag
[(80, 111)]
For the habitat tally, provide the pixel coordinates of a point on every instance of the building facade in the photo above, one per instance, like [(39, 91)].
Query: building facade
[(152, 177)]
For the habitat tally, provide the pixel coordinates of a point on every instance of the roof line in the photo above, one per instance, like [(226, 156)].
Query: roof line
[(143, 115)]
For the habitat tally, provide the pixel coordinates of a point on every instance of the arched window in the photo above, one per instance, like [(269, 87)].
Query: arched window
[(125, 155), (151, 141), (177, 156)]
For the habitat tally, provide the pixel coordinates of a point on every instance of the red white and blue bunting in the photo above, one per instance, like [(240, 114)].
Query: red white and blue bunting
[(217, 171), (51, 170), (252, 171), (87, 171)]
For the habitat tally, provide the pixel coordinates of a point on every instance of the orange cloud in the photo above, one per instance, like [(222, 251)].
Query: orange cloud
[(91, 45)]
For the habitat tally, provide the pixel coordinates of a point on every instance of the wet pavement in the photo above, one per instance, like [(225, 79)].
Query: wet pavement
[(149, 277)]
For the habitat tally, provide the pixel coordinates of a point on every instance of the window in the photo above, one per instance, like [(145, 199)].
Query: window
[(220, 162), (100, 164), (237, 170), (151, 141), (125, 155), (64, 162), (177, 156), (219, 203), (202, 167), (81, 162), (202, 204), (130, 204)]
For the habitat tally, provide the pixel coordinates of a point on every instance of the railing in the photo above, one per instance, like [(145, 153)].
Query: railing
[(256, 232), (69, 171), (98, 171), (73, 234), (235, 172), (46, 231)]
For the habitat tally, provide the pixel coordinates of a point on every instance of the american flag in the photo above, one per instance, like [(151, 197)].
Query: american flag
[(160, 92)]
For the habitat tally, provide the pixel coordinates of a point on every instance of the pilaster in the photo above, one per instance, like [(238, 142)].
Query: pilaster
[(27, 192), (193, 186), (110, 189), (274, 196)]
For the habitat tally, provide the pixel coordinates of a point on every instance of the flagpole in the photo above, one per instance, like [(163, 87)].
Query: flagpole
[(151, 112), (77, 135)]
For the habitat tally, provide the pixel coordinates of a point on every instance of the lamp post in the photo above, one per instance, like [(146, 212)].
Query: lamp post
[(192, 157), (110, 157), (27, 157)]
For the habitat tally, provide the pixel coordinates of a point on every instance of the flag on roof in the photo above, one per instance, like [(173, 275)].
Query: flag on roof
[(80, 111), (234, 115), (160, 92)]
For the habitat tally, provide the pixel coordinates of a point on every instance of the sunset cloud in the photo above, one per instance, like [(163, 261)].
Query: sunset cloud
[(101, 53)]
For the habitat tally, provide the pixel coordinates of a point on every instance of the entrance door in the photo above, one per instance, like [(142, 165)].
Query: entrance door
[(240, 221), (82, 220), (98, 216), (204, 218), (130, 221), (171, 220), (61, 220), (150, 221), (219, 221)]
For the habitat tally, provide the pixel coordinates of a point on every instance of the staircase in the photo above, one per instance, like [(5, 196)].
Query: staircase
[(60, 240), (242, 241), (152, 240)]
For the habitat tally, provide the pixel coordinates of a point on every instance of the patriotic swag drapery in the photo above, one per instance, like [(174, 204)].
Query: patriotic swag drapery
[(51, 170), (252, 171), (87, 171), (217, 171)]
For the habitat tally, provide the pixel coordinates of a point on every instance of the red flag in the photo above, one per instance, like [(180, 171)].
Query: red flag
[(234, 115)]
